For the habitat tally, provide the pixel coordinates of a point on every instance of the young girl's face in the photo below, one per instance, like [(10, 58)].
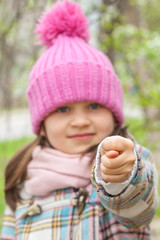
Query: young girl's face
[(75, 127)]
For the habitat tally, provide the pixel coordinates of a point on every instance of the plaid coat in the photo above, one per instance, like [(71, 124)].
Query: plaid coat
[(101, 216)]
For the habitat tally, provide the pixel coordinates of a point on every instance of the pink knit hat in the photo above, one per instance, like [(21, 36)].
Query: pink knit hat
[(70, 69)]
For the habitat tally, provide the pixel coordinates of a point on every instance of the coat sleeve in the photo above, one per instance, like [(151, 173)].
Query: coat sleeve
[(8, 225), (137, 202)]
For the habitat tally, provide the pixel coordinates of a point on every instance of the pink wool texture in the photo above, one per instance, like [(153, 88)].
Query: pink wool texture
[(70, 69), (64, 18), (50, 170)]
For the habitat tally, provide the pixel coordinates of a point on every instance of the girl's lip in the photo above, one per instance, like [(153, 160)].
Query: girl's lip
[(82, 136)]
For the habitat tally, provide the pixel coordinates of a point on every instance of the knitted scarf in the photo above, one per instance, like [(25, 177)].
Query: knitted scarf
[(50, 170)]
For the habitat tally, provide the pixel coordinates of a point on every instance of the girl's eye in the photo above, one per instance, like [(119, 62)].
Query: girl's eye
[(94, 106), (63, 109)]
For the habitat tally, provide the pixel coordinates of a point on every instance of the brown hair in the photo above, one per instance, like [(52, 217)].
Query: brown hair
[(16, 169)]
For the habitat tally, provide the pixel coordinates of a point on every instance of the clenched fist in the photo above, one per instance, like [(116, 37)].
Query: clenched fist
[(117, 159)]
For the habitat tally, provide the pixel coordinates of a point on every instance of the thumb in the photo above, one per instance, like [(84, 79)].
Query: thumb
[(112, 154)]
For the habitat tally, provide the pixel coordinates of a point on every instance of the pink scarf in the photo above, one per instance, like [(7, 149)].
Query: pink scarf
[(50, 170)]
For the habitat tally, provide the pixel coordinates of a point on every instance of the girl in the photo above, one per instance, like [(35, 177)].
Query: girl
[(75, 100)]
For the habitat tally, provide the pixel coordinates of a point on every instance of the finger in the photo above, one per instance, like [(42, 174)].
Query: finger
[(112, 154), (123, 159), (125, 169), (115, 178), (112, 163), (117, 143)]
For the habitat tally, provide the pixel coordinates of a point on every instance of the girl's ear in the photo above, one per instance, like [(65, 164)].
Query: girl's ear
[(45, 142), (42, 131)]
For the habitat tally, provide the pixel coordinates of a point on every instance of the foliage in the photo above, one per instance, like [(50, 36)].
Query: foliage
[(135, 127), (17, 48), (150, 13), (142, 45), (132, 44)]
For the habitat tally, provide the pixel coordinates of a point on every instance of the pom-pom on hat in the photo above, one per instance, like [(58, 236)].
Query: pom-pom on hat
[(65, 19), (70, 69)]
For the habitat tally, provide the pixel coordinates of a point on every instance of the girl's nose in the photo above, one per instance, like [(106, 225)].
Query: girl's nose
[(80, 120)]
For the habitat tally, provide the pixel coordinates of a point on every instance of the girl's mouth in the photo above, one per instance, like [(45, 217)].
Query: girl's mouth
[(82, 136)]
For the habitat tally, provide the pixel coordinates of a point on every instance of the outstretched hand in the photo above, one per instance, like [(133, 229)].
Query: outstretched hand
[(117, 159)]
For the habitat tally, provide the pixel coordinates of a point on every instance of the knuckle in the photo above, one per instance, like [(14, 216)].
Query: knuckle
[(105, 144), (107, 163), (128, 171), (110, 142), (130, 143), (103, 158), (123, 177), (102, 168), (105, 177)]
